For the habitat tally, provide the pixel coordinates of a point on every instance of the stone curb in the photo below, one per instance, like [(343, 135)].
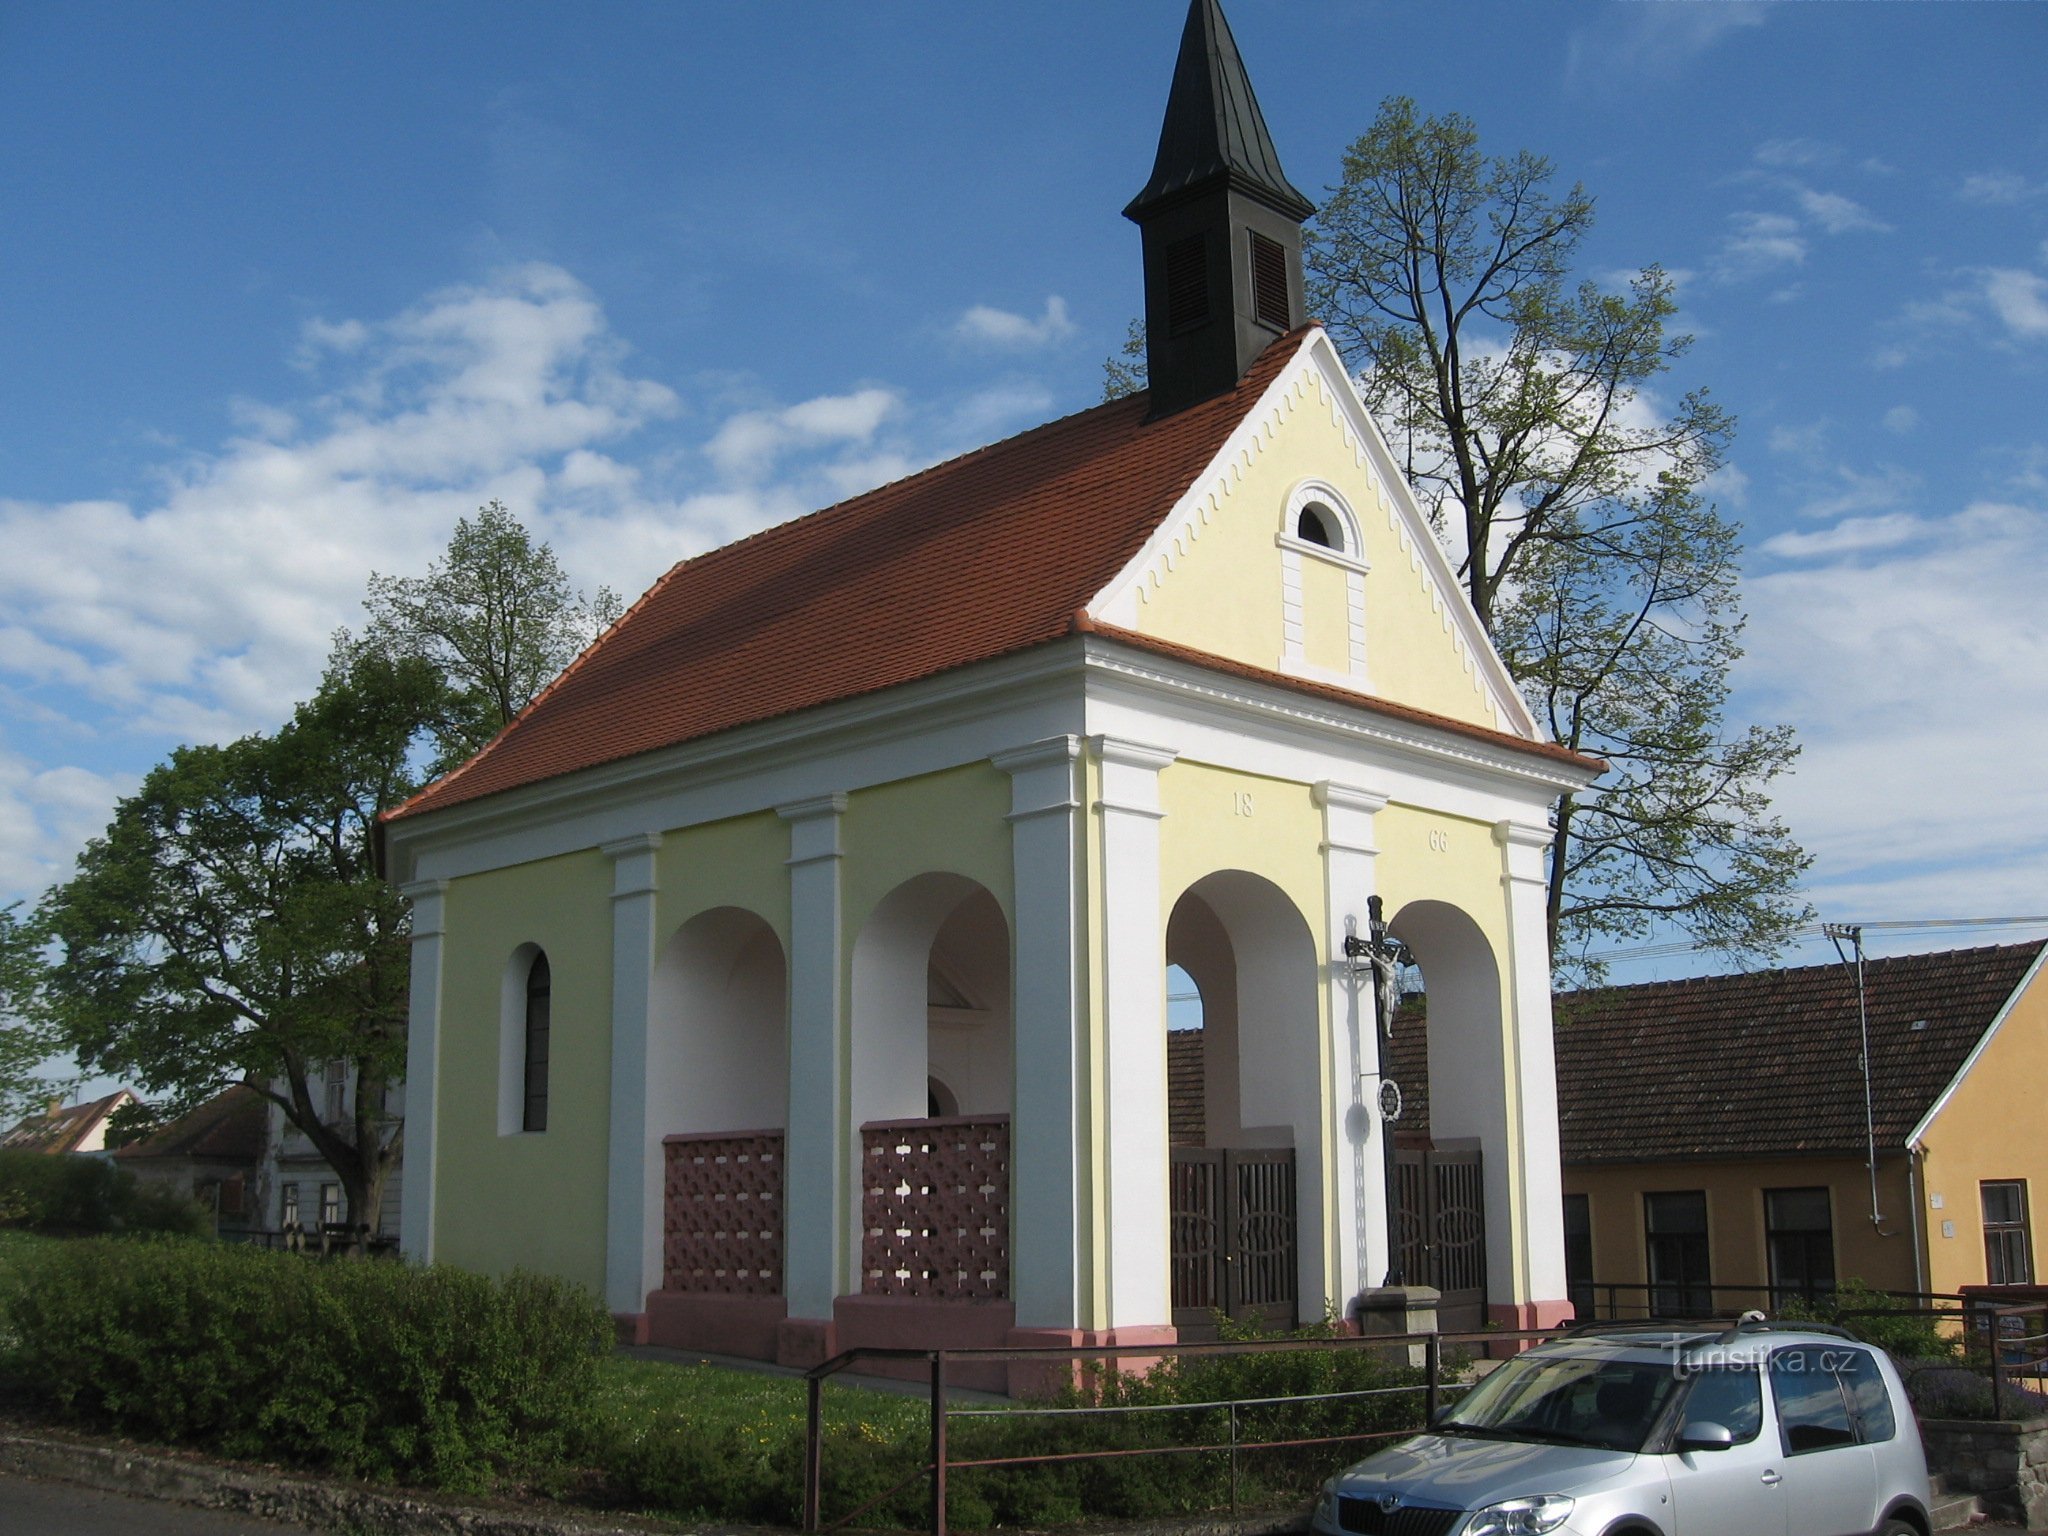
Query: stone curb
[(303, 1501), (363, 1511)]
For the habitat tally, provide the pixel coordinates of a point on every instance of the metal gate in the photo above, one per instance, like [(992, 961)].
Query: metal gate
[(1443, 1230), (1233, 1238)]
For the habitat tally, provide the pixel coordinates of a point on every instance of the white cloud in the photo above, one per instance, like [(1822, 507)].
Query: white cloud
[(1796, 154), (1856, 490), (46, 815), (1901, 419), (1906, 654), (1000, 327), (1630, 42), (1761, 242), (1999, 187), (1837, 214), (2018, 298), (749, 445), (1850, 536), (1800, 442)]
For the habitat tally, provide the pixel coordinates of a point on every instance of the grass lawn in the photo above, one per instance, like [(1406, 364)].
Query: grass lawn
[(656, 1396)]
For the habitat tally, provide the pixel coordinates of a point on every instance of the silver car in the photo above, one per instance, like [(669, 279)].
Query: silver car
[(1761, 1430)]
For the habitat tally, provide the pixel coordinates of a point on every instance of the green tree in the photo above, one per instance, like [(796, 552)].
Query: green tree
[(495, 617), (23, 1046), (232, 924), (1575, 506)]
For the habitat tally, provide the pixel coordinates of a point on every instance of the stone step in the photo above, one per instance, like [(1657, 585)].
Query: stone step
[(1954, 1511)]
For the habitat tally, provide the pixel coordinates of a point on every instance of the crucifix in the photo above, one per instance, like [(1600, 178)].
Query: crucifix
[(1381, 955)]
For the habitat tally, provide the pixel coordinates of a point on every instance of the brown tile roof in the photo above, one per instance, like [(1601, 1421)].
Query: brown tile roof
[(980, 557), (1187, 1093), (59, 1129), (972, 559), (1765, 1064), (229, 1127)]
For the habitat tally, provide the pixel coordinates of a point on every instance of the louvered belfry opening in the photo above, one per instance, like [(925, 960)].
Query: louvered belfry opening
[(1269, 281), (1221, 226)]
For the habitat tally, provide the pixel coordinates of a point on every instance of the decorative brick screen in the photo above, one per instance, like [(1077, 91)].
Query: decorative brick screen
[(723, 1195), (935, 1208)]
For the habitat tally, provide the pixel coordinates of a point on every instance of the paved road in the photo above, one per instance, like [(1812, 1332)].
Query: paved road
[(29, 1507)]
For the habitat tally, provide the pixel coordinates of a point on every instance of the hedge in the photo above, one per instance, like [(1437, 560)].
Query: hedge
[(377, 1370), (89, 1194)]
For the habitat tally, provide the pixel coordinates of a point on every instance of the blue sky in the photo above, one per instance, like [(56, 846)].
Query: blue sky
[(291, 288)]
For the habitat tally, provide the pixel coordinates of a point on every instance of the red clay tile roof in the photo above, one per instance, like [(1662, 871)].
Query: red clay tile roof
[(972, 559), (1765, 1064), (229, 1127), (976, 558), (63, 1130)]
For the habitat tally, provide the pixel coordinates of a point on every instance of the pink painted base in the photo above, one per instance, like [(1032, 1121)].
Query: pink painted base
[(629, 1328), (1518, 1315), (802, 1342), (1046, 1378), (746, 1326), (904, 1322)]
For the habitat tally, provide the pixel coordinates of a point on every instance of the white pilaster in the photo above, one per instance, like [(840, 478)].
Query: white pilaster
[(633, 1184), (1136, 1195), (814, 1224), (422, 1068), (1358, 1177), (1539, 1201), (1047, 1130)]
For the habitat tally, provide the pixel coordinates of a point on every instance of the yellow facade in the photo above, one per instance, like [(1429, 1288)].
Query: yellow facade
[(1222, 589), (1988, 1131), (1880, 1256)]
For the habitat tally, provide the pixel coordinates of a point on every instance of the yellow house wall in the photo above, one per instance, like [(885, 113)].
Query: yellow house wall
[(1988, 1130), (1222, 592), (490, 1186), (1735, 1219), (952, 821)]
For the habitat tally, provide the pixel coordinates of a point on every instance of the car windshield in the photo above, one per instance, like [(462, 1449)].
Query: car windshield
[(1566, 1400)]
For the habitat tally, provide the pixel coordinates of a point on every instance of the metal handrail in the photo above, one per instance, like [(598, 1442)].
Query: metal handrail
[(940, 1463)]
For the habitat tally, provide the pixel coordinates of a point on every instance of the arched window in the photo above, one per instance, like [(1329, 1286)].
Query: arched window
[(1314, 526), (537, 994)]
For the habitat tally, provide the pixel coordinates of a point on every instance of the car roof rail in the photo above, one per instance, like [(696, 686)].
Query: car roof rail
[(1645, 1325), (1750, 1325)]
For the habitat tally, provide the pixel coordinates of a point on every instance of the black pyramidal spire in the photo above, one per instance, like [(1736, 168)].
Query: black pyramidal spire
[(1221, 225)]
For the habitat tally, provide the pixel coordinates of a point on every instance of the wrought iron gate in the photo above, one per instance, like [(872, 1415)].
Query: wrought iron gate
[(1443, 1230), (1233, 1237)]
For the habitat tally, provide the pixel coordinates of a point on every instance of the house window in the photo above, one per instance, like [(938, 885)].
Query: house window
[(2008, 1246), (1578, 1255), (1314, 527), (336, 1085), (330, 1203), (289, 1214), (1799, 1241), (537, 1008), (1680, 1275)]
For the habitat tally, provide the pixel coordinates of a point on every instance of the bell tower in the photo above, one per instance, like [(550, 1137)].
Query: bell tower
[(1221, 226)]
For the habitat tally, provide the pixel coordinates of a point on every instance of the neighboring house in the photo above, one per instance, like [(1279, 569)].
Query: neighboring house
[(793, 969), (60, 1129), (214, 1154), (1714, 1129), (300, 1189)]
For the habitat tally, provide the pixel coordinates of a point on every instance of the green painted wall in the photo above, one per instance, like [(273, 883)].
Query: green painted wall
[(533, 1201)]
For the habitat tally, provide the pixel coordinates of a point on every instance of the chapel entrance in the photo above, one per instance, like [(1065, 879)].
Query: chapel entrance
[(1442, 1195), (1242, 1065), (1234, 1249)]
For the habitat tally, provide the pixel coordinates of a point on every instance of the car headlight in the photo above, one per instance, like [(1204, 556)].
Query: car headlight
[(1326, 1506), (1521, 1517)]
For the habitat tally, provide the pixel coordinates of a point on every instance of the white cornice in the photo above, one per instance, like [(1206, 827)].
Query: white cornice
[(911, 710), (1274, 703)]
